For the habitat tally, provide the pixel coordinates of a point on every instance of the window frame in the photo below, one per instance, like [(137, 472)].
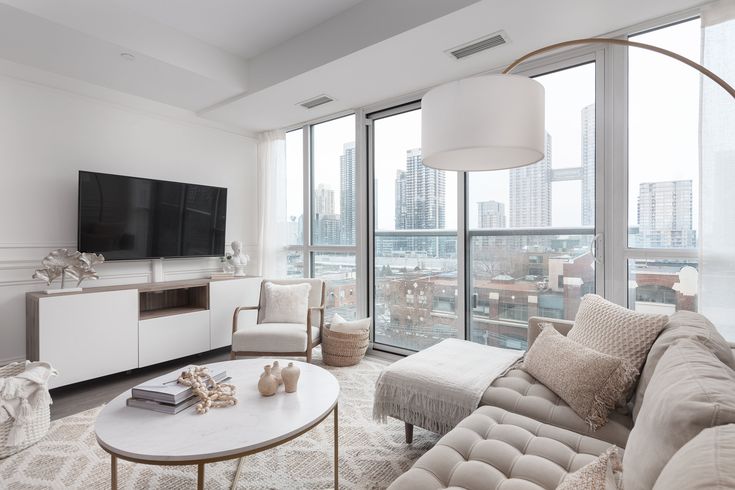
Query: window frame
[(308, 249)]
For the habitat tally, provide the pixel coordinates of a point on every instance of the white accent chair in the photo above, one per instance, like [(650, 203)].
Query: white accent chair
[(280, 339)]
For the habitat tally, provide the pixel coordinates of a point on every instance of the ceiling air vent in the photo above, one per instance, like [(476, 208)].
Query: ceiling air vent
[(316, 101), (478, 45)]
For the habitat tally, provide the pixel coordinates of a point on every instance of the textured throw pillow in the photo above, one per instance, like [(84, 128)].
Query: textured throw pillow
[(589, 381), (604, 473), (704, 463), (286, 303), (690, 390), (614, 330), (681, 325), (339, 324)]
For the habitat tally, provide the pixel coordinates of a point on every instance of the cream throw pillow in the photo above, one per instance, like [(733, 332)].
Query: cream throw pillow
[(589, 381), (604, 473), (614, 330), (286, 303), (339, 324)]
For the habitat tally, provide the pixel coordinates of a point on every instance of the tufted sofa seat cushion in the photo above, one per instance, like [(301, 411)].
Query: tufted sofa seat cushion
[(494, 448), (519, 392)]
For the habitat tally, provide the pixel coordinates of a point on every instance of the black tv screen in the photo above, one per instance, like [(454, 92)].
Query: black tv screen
[(127, 218)]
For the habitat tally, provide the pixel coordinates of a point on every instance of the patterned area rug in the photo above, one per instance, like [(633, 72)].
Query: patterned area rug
[(372, 455)]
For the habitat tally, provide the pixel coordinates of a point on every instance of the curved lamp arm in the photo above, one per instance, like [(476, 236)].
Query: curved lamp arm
[(624, 42)]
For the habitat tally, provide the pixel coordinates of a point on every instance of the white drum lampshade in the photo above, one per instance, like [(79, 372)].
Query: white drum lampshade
[(489, 122)]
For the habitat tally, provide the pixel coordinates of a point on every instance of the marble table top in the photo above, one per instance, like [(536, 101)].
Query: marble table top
[(254, 423)]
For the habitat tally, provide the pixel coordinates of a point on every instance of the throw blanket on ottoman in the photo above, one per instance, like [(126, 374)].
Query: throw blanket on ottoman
[(439, 386)]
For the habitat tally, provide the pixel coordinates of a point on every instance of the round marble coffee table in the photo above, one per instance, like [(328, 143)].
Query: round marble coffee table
[(255, 424)]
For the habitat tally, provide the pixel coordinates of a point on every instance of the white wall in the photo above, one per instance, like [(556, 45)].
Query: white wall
[(48, 134)]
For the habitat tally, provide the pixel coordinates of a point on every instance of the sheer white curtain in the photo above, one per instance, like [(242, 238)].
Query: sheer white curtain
[(717, 160), (272, 241)]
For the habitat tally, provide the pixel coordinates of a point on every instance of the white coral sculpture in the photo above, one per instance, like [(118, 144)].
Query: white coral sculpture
[(63, 262)]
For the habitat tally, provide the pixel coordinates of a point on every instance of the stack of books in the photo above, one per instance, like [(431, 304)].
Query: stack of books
[(166, 395)]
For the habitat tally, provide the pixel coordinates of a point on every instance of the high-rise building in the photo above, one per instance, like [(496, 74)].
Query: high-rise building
[(401, 210), (347, 194), (420, 204), (323, 200), (530, 193), (420, 195), (491, 214), (665, 214), (588, 165)]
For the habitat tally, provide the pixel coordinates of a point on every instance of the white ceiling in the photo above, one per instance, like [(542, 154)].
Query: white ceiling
[(249, 62), (242, 27)]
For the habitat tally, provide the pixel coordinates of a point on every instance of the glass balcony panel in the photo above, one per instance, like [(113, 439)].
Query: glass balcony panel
[(516, 276)]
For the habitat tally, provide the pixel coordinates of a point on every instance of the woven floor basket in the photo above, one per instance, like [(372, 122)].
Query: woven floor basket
[(344, 349), (35, 429)]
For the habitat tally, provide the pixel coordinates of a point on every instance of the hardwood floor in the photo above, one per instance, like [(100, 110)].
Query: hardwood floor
[(72, 399), (76, 398)]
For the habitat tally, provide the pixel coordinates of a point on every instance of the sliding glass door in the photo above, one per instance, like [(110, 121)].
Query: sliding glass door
[(414, 242), (531, 229), (526, 242)]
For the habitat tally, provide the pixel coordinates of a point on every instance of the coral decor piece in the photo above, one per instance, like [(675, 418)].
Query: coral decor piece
[(63, 262), (210, 393)]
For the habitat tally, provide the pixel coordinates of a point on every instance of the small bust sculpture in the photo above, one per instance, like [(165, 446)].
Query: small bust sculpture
[(238, 260)]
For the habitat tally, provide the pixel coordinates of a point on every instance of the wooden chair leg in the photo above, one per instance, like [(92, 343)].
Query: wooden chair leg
[(409, 432), (308, 354)]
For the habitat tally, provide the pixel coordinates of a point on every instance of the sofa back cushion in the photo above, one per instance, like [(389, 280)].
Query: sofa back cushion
[(614, 330), (690, 390), (681, 325), (704, 463)]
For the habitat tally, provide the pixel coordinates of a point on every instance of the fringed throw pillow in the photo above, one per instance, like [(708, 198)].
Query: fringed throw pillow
[(589, 381)]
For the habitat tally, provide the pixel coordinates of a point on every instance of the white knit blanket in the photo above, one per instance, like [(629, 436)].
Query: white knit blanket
[(20, 395), (439, 386)]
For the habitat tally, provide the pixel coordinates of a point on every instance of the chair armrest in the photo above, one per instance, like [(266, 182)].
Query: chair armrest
[(320, 309), (236, 315), (534, 327)]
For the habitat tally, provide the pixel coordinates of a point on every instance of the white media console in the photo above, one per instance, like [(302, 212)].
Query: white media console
[(107, 330)]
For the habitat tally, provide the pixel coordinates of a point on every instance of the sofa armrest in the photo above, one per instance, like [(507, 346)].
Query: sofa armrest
[(534, 327)]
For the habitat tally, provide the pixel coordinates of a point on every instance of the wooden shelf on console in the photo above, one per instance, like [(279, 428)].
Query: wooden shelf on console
[(179, 310)]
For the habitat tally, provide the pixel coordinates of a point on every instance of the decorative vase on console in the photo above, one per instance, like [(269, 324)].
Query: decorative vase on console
[(238, 260)]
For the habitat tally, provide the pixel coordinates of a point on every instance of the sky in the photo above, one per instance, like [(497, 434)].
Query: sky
[(663, 136)]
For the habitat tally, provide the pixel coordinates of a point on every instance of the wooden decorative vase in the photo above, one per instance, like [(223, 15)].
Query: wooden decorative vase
[(290, 375), (276, 372), (267, 385)]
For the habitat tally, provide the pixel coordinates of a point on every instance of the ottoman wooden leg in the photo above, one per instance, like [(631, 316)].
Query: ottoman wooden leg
[(409, 433)]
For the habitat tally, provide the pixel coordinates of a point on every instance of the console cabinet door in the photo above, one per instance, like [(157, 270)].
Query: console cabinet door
[(88, 335), (224, 297), (171, 337)]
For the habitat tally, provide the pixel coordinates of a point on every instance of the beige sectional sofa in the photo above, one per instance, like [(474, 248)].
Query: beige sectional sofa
[(523, 436)]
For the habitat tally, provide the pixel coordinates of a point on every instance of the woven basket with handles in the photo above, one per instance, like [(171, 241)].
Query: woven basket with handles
[(36, 428), (344, 349)]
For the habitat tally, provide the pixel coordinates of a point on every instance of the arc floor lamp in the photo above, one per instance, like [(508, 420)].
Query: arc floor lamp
[(494, 122)]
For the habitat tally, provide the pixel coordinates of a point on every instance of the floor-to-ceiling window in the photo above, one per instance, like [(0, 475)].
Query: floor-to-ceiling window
[(611, 209), (322, 186), (414, 243), (531, 228), (663, 172)]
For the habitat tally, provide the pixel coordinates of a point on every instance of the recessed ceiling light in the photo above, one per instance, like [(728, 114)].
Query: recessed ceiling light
[(127, 56)]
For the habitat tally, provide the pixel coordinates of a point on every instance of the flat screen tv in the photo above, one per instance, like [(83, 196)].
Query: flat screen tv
[(129, 218)]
